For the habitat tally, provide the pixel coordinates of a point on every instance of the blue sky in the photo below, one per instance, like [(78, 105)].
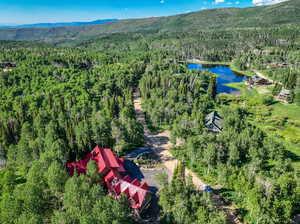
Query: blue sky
[(35, 11)]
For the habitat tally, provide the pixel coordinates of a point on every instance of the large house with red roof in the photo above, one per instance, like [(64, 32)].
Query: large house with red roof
[(114, 177)]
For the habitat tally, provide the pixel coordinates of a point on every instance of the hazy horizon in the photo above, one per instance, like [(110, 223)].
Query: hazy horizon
[(18, 12)]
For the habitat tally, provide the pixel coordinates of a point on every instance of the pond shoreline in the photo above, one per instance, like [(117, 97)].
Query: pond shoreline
[(224, 75), (230, 64)]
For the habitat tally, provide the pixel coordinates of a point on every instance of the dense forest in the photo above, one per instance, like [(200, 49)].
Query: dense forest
[(243, 158), (57, 101), (54, 108), (181, 202), (56, 104)]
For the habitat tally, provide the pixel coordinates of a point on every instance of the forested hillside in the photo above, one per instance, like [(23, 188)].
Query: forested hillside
[(275, 51), (263, 16)]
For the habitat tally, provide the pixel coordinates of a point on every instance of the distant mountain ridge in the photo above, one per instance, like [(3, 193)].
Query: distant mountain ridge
[(223, 18), (64, 24)]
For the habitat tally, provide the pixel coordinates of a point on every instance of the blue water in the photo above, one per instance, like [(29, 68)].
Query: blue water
[(225, 76)]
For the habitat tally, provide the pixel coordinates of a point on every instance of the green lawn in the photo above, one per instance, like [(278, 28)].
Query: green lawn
[(292, 111), (245, 73), (208, 62)]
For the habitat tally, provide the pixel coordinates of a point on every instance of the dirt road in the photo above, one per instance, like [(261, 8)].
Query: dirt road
[(265, 77), (161, 144)]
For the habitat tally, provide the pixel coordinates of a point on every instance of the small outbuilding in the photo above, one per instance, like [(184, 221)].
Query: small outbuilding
[(257, 80), (7, 64), (213, 122), (284, 94), (199, 58)]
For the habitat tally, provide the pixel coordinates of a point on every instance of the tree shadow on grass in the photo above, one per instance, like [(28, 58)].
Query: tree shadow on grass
[(294, 157), (273, 103), (226, 193), (241, 212)]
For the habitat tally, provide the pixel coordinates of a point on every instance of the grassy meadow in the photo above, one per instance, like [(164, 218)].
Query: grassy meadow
[(277, 119)]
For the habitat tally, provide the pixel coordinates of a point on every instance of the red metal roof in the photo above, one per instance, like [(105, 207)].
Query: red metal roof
[(106, 159), (111, 175), (80, 165), (111, 167), (135, 193)]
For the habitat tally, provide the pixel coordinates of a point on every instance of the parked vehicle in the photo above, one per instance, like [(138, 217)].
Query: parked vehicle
[(208, 189)]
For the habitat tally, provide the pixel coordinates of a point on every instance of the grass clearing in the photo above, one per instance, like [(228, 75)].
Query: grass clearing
[(277, 119), (245, 73), (195, 61)]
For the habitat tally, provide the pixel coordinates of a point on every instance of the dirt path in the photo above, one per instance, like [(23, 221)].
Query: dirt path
[(161, 144), (261, 75), (265, 77)]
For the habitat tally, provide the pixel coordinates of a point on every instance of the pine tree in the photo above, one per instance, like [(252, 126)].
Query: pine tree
[(56, 178), (92, 172), (212, 88), (297, 92), (276, 90), (291, 97)]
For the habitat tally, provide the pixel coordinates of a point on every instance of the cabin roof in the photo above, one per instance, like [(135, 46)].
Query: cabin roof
[(134, 189), (213, 122), (7, 64), (110, 166), (106, 159), (256, 78), (285, 92)]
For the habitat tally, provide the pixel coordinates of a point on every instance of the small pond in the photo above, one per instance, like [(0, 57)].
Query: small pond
[(225, 76)]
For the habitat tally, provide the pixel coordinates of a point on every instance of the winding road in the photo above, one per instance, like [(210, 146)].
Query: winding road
[(161, 145)]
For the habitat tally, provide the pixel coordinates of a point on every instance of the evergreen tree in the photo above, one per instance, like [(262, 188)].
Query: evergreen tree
[(297, 92), (212, 88), (56, 177), (276, 89)]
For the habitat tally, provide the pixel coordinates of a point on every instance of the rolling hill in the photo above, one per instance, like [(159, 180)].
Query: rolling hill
[(261, 16), (47, 25)]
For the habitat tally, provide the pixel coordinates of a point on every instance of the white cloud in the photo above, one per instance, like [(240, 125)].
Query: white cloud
[(237, 2), (162, 1), (219, 1), (266, 2)]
